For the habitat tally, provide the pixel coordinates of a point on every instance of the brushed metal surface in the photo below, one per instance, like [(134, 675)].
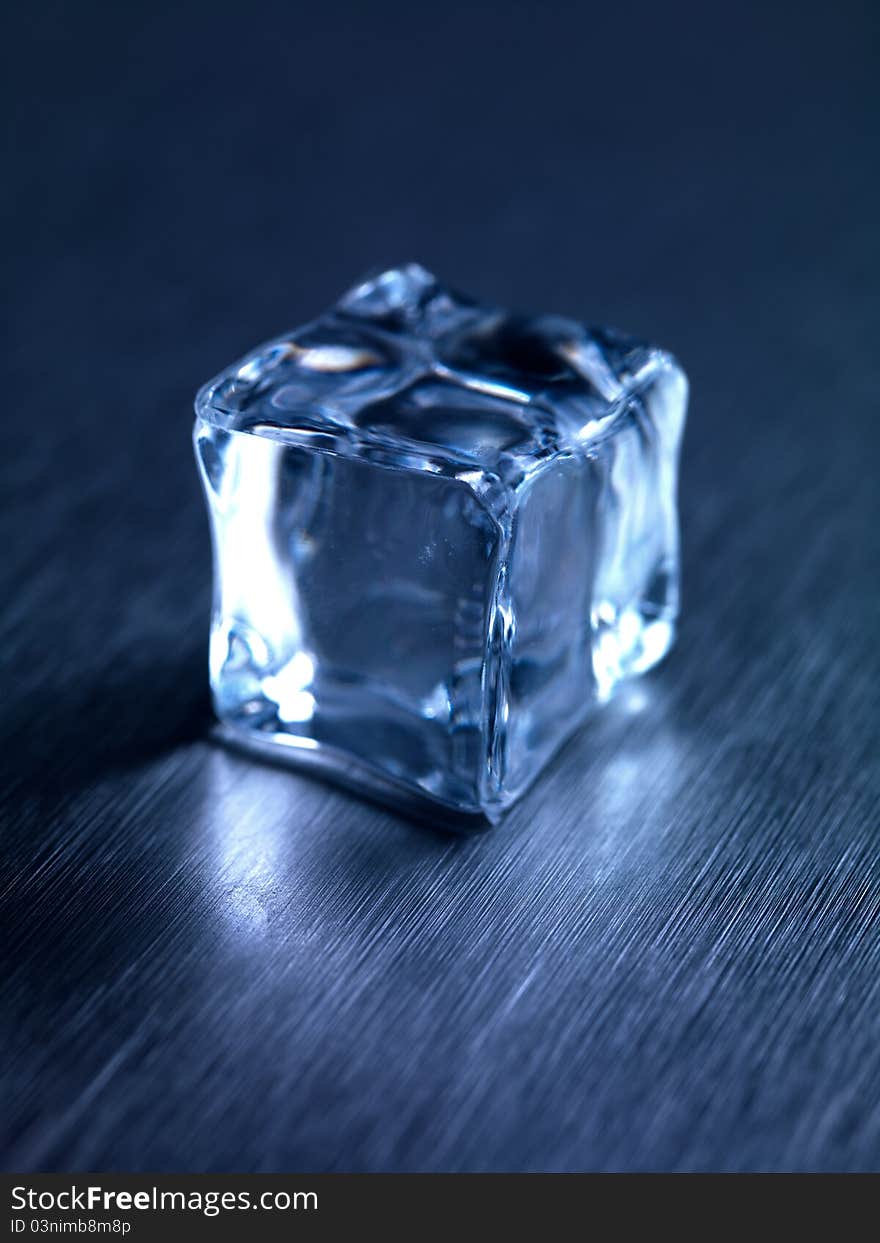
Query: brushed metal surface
[(667, 957)]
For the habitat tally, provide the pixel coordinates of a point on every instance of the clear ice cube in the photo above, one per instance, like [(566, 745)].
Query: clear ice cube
[(442, 534)]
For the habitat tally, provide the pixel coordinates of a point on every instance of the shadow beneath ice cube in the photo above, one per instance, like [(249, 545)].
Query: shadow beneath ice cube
[(293, 861), (86, 726), (344, 773), (605, 768)]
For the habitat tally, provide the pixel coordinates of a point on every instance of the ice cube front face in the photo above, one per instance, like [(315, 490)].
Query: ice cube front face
[(442, 534)]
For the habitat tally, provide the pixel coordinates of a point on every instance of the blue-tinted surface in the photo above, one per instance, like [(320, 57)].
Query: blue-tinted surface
[(669, 956), (442, 534)]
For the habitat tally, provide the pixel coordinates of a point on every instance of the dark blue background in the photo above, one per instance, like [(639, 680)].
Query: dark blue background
[(667, 957)]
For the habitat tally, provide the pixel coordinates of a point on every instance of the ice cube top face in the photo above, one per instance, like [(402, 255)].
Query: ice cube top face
[(442, 534)]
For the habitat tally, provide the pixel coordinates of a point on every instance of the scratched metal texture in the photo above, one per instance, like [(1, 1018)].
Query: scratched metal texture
[(668, 957)]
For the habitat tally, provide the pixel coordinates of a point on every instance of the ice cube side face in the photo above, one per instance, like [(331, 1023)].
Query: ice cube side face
[(442, 534)]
